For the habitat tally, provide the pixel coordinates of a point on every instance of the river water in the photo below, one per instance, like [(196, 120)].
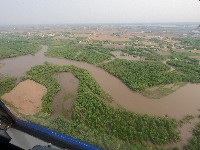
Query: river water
[(184, 101)]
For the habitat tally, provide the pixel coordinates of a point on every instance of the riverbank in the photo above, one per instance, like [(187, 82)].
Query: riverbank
[(184, 101)]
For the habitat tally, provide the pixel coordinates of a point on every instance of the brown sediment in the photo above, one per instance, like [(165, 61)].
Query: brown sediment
[(26, 97), (64, 100)]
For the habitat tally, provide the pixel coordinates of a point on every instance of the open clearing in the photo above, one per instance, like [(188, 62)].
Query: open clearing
[(26, 97)]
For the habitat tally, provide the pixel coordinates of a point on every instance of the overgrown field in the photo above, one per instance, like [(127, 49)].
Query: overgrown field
[(81, 53), (93, 120), (12, 45), (190, 69), (194, 143), (6, 84), (139, 75), (190, 43), (147, 53)]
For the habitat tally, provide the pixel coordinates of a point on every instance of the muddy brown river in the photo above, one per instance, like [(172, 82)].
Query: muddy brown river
[(184, 101)]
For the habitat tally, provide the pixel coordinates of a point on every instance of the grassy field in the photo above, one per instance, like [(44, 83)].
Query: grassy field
[(6, 84)]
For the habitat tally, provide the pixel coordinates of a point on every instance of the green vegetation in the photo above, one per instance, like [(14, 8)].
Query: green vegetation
[(101, 139), (161, 90), (141, 75), (90, 54), (94, 53), (190, 69), (6, 84), (155, 40), (93, 120), (191, 43), (186, 119), (15, 45), (135, 51), (147, 53), (158, 93), (194, 143), (182, 55), (136, 39)]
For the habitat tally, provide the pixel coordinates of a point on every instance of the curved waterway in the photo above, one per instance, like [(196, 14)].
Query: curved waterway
[(184, 101)]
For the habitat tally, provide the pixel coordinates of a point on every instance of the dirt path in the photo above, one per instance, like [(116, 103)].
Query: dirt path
[(26, 97)]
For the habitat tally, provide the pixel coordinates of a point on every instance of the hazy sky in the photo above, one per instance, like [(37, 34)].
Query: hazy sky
[(98, 11)]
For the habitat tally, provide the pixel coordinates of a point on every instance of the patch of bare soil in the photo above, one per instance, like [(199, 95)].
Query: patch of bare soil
[(64, 100), (195, 51), (26, 97), (195, 57)]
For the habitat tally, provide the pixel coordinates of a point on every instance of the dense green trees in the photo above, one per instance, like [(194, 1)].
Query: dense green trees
[(140, 75), (189, 69), (92, 52)]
